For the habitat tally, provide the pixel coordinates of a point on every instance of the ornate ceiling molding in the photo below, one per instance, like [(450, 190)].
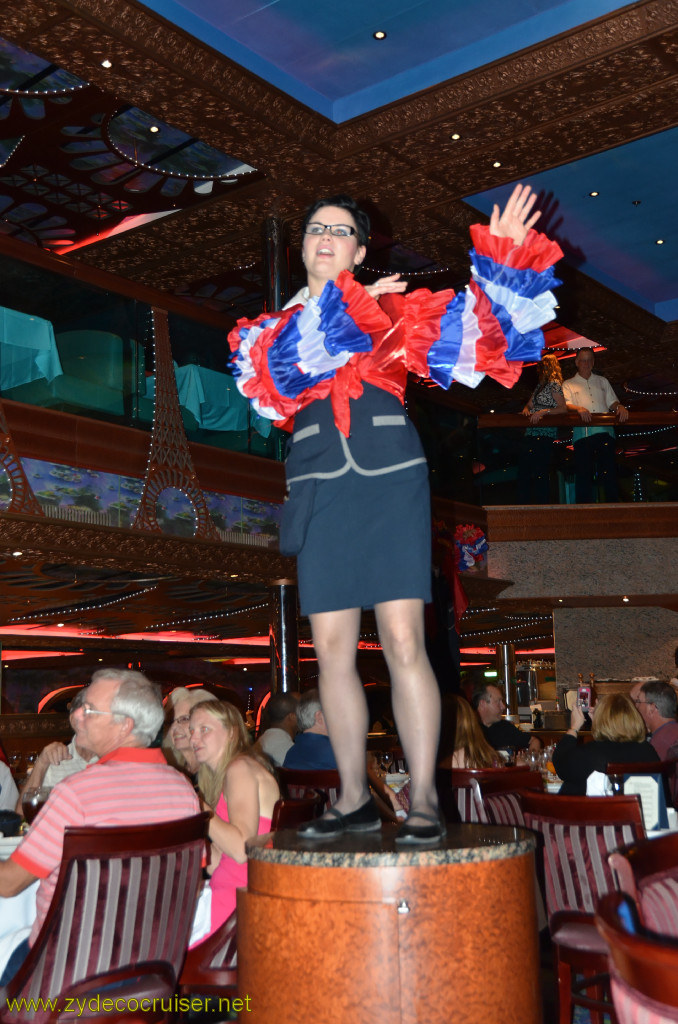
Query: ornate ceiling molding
[(133, 550), (600, 85)]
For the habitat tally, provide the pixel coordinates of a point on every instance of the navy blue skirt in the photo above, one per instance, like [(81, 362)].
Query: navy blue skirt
[(368, 540)]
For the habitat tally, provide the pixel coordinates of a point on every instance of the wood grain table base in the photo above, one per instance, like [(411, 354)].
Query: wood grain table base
[(355, 932)]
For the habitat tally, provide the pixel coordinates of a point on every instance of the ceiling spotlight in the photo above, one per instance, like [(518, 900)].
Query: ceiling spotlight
[(455, 137), (16, 554), (497, 163), (154, 129), (61, 625), (106, 63), (594, 194), (560, 600), (636, 202), (379, 35), (625, 599), (660, 241)]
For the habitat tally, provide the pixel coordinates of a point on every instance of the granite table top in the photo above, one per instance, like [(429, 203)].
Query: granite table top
[(463, 844)]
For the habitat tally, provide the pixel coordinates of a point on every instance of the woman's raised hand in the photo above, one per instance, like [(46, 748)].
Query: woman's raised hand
[(515, 221), (386, 286)]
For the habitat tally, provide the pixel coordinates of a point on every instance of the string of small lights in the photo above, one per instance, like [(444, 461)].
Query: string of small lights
[(492, 632), (650, 394), (88, 606), (207, 618), (380, 272)]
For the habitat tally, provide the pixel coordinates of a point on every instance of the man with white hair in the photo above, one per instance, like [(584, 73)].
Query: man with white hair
[(130, 784), (588, 393), (311, 749)]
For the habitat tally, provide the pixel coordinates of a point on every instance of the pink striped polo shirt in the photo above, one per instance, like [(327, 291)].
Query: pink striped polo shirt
[(128, 786)]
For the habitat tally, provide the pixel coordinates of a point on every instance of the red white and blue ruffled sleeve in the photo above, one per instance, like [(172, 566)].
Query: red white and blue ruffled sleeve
[(495, 324), (281, 358)]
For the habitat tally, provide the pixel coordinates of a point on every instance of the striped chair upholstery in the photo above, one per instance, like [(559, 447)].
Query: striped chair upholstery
[(643, 965), (121, 913), (469, 803), (578, 834), (504, 809), (470, 788), (648, 872)]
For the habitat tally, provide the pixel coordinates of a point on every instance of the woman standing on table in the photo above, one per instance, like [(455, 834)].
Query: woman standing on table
[(333, 364)]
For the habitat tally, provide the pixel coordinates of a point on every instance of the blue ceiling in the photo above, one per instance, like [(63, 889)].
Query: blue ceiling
[(324, 54), (613, 236)]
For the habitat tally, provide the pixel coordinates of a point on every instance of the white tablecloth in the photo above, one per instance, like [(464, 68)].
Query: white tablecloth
[(17, 913)]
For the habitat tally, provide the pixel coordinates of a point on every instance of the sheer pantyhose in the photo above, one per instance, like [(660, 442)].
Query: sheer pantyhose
[(414, 692)]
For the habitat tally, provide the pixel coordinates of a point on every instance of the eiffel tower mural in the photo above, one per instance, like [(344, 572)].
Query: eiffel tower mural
[(169, 460), (22, 500)]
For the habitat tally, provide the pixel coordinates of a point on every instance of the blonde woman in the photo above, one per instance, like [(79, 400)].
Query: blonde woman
[(470, 748), (177, 742), (241, 790), (619, 735), (546, 400)]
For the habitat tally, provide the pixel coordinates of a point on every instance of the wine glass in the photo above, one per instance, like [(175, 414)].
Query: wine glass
[(386, 761)]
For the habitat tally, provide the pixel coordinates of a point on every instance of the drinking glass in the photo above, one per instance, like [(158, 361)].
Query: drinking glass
[(33, 800)]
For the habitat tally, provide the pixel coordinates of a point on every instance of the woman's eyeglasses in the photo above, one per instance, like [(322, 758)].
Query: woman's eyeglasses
[(338, 230)]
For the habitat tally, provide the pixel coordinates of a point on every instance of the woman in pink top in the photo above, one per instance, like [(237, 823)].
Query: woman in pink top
[(240, 789)]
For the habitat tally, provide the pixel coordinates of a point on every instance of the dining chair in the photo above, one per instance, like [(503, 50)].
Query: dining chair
[(643, 964), (647, 872), (463, 791), (211, 967), (501, 795), (290, 812), (577, 834), (120, 917), (297, 782)]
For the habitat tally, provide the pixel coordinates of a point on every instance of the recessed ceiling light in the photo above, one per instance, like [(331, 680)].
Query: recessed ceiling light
[(594, 194), (61, 625), (154, 128), (455, 137), (625, 600), (497, 163), (560, 600), (106, 63), (17, 553), (636, 202), (660, 241), (379, 35)]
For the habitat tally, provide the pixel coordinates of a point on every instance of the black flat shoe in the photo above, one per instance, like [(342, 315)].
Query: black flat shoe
[(334, 823), (410, 834)]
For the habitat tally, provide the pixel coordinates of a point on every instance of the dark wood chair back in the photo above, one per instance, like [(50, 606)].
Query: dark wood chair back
[(643, 965), (296, 783), (289, 813), (121, 913)]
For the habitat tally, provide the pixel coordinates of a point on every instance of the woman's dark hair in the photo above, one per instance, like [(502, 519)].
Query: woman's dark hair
[(344, 202)]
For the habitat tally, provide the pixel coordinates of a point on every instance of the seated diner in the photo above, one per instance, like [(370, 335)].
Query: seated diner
[(618, 734)]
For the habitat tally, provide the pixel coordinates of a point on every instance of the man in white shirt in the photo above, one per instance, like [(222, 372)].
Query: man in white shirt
[(594, 447)]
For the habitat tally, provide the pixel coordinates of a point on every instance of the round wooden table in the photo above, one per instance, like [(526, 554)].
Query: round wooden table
[(359, 930)]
